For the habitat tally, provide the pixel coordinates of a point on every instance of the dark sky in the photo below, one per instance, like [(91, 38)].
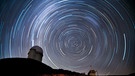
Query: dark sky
[(74, 34)]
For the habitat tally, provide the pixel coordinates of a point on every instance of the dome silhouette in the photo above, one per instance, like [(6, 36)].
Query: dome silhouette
[(37, 49), (36, 53)]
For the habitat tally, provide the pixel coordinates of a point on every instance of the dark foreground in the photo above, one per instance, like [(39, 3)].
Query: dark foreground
[(30, 67)]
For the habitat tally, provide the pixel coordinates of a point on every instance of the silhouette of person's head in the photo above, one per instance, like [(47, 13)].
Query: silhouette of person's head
[(36, 53)]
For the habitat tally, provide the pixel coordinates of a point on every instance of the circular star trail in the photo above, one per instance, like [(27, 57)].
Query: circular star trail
[(74, 34)]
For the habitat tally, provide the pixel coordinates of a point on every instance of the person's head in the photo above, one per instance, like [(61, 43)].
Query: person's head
[(35, 53)]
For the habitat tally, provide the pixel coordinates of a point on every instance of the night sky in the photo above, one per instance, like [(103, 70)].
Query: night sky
[(74, 34)]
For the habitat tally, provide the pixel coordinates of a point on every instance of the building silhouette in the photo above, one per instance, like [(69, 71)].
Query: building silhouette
[(33, 66), (36, 53), (92, 73)]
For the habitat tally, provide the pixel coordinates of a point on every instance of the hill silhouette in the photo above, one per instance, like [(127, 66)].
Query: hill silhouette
[(29, 67), (132, 74)]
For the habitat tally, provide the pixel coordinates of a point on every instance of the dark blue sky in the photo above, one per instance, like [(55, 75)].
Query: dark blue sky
[(74, 34)]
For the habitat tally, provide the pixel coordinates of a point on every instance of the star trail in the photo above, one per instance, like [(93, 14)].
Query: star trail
[(74, 34)]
